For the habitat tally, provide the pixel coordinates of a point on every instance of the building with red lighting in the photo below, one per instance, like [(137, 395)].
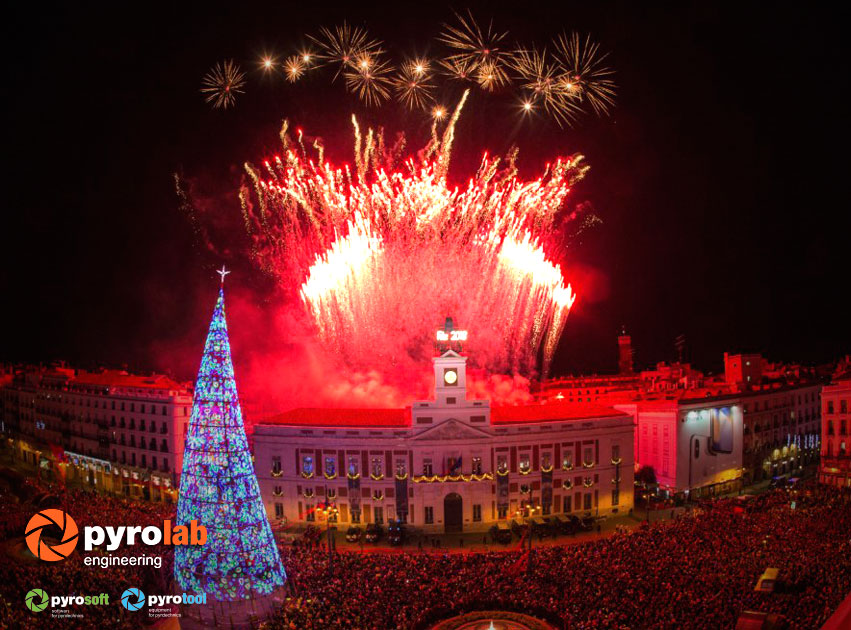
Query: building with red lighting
[(106, 430), (835, 466), (449, 464), (770, 412)]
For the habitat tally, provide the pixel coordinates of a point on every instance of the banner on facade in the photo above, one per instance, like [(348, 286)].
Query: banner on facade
[(502, 492), (547, 490), (354, 493), (402, 498)]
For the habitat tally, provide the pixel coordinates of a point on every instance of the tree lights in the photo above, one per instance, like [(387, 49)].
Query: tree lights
[(219, 489)]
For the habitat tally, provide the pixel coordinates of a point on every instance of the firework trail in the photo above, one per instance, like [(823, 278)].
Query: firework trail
[(380, 254)]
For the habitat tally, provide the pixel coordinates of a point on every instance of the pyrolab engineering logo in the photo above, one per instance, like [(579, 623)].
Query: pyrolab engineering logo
[(132, 599), (41, 549), (94, 536), (36, 600)]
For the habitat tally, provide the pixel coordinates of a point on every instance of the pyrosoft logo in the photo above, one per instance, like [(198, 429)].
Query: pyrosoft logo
[(36, 600), (39, 548), (132, 599)]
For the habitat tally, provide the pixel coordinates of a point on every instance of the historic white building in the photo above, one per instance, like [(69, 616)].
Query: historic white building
[(449, 464)]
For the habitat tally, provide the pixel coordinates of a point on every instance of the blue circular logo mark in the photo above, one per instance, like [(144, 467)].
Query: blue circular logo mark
[(132, 599)]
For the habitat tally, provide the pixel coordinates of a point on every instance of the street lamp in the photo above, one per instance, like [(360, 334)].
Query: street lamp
[(328, 510), (527, 510)]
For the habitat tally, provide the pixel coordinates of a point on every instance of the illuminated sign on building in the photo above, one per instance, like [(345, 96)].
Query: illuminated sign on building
[(451, 335)]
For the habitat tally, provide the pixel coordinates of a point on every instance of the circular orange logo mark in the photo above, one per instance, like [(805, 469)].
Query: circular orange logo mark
[(64, 547)]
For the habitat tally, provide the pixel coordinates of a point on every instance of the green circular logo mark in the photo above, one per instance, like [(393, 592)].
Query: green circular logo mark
[(36, 600)]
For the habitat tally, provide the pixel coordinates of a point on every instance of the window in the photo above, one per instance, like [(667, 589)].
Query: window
[(165, 465), (502, 464), (144, 462), (355, 516), (588, 455), (830, 430), (565, 507), (279, 510), (330, 466), (307, 465), (153, 463), (843, 406), (401, 468), (829, 406), (353, 467), (132, 459), (276, 464), (429, 515), (477, 513), (310, 515), (587, 501), (378, 513), (164, 446), (428, 469), (616, 496), (525, 465), (502, 512), (843, 427), (477, 466), (616, 451), (375, 469), (567, 461)]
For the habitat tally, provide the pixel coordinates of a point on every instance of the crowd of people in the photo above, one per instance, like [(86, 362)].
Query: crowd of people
[(697, 571), (19, 572)]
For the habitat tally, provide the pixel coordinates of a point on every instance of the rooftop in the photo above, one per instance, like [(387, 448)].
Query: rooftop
[(551, 412), (401, 418), (119, 378), (332, 417)]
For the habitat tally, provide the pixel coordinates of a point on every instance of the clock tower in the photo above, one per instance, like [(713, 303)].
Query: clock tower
[(450, 402), (450, 368)]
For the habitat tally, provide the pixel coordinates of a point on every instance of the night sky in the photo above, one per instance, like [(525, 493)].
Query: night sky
[(720, 176)]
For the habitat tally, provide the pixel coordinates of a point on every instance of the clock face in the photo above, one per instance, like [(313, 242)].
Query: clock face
[(450, 377)]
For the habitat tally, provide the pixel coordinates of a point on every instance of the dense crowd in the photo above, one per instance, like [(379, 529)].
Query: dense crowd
[(698, 572), (19, 573)]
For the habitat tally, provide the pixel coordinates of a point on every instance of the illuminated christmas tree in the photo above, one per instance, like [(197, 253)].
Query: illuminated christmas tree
[(218, 487)]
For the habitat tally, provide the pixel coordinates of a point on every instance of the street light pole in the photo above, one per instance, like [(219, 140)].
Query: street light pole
[(329, 510), (529, 510)]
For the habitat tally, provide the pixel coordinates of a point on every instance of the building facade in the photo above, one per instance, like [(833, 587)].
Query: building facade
[(107, 430), (693, 444), (450, 464), (835, 468)]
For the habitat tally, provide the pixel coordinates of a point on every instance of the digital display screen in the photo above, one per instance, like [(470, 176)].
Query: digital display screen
[(721, 433)]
